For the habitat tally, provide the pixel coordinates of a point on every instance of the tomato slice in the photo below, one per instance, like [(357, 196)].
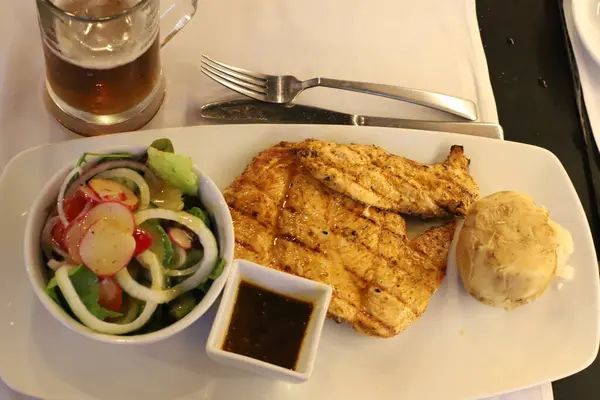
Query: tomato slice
[(58, 234), (110, 294), (143, 241), (74, 205)]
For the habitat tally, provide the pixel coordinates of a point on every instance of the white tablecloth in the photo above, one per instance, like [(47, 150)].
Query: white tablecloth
[(428, 44)]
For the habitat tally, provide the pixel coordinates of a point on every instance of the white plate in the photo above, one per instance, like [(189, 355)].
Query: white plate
[(458, 349), (586, 14)]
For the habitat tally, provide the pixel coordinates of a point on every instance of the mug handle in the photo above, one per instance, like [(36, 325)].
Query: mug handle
[(177, 16)]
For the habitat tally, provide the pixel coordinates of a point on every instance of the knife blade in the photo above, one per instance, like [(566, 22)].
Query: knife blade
[(257, 112)]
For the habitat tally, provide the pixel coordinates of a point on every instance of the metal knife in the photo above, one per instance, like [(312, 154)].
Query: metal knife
[(257, 112)]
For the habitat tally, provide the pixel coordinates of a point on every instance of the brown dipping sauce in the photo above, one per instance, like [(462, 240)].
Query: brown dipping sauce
[(267, 326)]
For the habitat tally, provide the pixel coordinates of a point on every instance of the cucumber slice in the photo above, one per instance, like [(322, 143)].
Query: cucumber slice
[(217, 270), (182, 305), (193, 257), (161, 244), (199, 213), (133, 308)]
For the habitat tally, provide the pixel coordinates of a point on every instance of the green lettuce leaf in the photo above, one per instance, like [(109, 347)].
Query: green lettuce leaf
[(83, 159), (86, 286)]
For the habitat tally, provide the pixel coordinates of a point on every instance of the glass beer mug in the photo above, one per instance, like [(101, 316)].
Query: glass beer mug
[(103, 71)]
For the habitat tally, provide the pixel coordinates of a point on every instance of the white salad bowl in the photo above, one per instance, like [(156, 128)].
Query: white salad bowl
[(213, 201)]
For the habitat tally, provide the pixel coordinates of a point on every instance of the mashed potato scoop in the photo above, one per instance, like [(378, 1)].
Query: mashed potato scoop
[(509, 250)]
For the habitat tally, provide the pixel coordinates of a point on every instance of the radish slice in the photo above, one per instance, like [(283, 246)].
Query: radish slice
[(204, 267), (135, 178), (110, 211), (108, 190), (61, 195), (115, 211), (89, 194), (180, 238), (73, 235), (74, 232), (106, 248), (89, 320)]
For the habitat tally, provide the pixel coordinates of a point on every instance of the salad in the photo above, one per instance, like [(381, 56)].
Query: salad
[(129, 247)]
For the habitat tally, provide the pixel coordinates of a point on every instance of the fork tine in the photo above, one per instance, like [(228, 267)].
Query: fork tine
[(261, 89), (239, 73), (232, 86)]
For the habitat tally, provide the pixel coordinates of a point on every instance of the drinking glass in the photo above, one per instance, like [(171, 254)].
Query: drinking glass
[(103, 70)]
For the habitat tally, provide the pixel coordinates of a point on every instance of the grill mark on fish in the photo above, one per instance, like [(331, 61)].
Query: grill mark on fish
[(297, 242), (354, 180), (361, 323), (254, 185), (246, 246), (385, 172), (251, 215), (378, 192)]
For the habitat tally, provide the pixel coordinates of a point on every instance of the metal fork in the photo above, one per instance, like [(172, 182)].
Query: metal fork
[(285, 88)]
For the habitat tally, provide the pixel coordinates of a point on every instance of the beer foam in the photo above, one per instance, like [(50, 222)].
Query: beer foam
[(102, 45), (94, 8)]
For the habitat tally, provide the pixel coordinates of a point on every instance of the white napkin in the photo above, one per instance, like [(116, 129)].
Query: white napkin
[(428, 44)]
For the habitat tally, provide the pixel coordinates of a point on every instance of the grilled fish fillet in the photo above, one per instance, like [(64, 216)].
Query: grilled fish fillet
[(375, 177), (286, 219)]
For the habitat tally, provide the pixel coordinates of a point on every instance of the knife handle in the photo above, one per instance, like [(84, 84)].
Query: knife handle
[(494, 131)]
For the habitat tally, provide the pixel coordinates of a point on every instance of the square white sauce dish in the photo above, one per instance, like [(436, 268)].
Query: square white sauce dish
[(269, 322)]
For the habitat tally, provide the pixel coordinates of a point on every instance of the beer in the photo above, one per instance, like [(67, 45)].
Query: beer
[(102, 68), (103, 71)]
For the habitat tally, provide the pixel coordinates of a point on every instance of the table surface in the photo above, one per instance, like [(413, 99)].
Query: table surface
[(537, 99)]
